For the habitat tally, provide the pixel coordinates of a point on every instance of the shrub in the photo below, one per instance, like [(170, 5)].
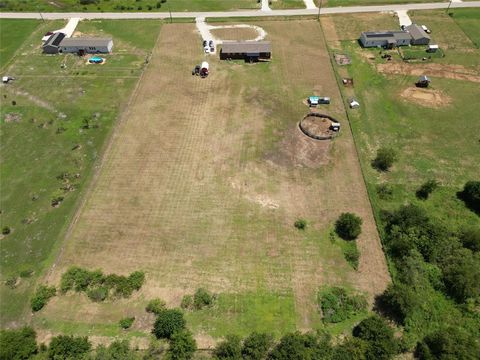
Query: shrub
[(187, 302), (300, 224), (68, 347), (338, 306), (297, 346), (256, 346), (348, 226), (126, 323), (11, 282), (41, 297), (351, 254), (426, 189), (471, 195), (385, 159), (470, 239), (6, 230), (230, 348), (155, 306), (17, 344), (202, 298), (351, 349), (26, 273), (136, 279), (182, 345), (117, 350), (384, 191), (98, 294), (379, 336), (168, 322)]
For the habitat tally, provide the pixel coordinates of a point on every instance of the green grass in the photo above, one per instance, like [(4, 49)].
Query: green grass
[(287, 4), (333, 3), (50, 99), (469, 22), (130, 5), (12, 34)]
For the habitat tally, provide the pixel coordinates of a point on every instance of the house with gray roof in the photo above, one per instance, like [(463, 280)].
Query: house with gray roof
[(52, 44), (248, 50), (59, 43), (419, 36), (387, 39)]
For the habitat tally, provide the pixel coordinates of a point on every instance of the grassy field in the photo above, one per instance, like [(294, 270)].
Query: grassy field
[(129, 5), (287, 4), (13, 33), (333, 3), (418, 124), (202, 185), (469, 21), (44, 135)]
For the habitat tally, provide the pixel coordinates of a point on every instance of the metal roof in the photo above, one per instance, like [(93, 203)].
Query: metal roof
[(247, 47), (387, 35), (417, 32), (84, 41), (55, 39)]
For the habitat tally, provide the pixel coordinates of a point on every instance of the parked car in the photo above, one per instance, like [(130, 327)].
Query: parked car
[(207, 50), (205, 43), (210, 43), (212, 49), (403, 27), (427, 30)]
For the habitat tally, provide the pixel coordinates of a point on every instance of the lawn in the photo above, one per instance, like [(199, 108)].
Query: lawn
[(287, 4), (12, 34), (469, 22), (48, 151), (202, 185), (333, 3), (130, 5)]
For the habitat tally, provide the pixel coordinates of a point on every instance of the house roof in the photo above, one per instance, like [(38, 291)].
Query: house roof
[(247, 47), (55, 39), (387, 35), (85, 41), (417, 32)]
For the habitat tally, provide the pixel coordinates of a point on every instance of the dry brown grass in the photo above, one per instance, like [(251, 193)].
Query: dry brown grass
[(235, 33), (186, 191)]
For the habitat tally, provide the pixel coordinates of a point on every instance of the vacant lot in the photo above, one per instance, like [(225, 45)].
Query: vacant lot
[(371, 2), (203, 182), (12, 34), (287, 4), (130, 5), (54, 121)]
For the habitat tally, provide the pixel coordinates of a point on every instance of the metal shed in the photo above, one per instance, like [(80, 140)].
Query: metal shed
[(248, 50)]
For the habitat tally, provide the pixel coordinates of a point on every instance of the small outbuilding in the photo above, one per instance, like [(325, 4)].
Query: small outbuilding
[(419, 36), (432, 48), (246, 50), (52, 45)]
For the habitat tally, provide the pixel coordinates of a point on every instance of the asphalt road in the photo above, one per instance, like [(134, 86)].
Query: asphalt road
[(240, 13)]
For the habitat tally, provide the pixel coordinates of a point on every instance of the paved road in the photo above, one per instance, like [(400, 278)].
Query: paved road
[(240, 13)]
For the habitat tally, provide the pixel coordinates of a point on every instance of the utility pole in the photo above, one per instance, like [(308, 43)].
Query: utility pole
[(170, 11), (319, 9), (449, 4)]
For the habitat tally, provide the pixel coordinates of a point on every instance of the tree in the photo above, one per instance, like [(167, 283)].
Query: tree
[(41, 297), (117, 350), (385, 159), (300, 224), (351, 349), (471, 195), (470, 239), (256, 346), (168, 322), (426, 189), (68, 347), (202, 298), (379, 337), (297, 346), (449, 343), (17, 344), (182, 346), (230, 348), (348, 226), (126, 323)]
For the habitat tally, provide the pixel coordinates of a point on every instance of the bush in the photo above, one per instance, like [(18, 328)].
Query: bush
[(98, 294), (117, 350), (68, 347), (168, 322), (126, 323), (297, 346), (385, 159), (155, 306), (17, 344), (41, 297), (470, 239), (426, 189), (348, 226), (6, 230), (256, 346), (11, 282), (351, 254), (338, 306), (471, 195), (182, 346), (351, 349), (375, 331), (230, 348), (202, 298), (384, 191), (187, 302), (300, 224)]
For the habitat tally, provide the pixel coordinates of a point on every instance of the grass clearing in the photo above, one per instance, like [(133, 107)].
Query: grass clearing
[(334, 3), (205, 179), (469, 22), (287, 4), (51, 107), (13, 33)]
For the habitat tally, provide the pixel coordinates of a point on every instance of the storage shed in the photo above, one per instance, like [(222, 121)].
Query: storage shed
[(247, 50), (84, 45), (419, 36), (52, 45), (387, 39)]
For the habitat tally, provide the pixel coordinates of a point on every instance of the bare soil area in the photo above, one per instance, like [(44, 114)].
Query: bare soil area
[(426, 97)]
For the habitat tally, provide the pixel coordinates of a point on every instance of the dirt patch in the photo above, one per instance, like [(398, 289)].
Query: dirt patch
[(456, 72), (318, 127), (13, 117), (426, 97), (235, 33)]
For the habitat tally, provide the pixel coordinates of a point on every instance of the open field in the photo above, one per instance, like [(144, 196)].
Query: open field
[(44, 133), (235, 33), (201, 187), (417, 123), (333, 3), (130, 5), (13, 33), (287, 4), (469, 21)]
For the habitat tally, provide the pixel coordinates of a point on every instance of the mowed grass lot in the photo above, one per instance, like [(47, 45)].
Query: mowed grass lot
[(43, 115), (287, 4), (434, 140), (469, 21), (202, 185), (12, 34), (130, 5), (333, 3)]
